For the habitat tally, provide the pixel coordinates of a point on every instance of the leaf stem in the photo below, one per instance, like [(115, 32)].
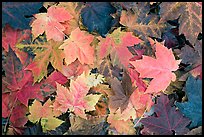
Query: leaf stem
[(141, 117), (9, 115)]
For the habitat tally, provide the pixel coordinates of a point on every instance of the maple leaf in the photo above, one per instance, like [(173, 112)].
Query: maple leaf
[(138, 103), (10, 37), (121, 93), (93, 79), (131, 103), (45, 113), (38, 111), (74, 69), (117, 44), (160, 69), (193, 57), (40, 90), (108, 70), (102, 88), (78, 47), (190, 19), (141, 22), (18, 117), (14, 13), (96, 17), (75, 98), (190, 55), (14, 110), (90, 126), (141, 102), (136, 81), (168, 119), (20, 81), (122, 126), (45, 52), (193, 107), (50, 23), (74, 9)]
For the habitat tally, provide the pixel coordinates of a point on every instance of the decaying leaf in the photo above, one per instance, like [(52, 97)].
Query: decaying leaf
[(91, 126), (189, 14), (141, 22)]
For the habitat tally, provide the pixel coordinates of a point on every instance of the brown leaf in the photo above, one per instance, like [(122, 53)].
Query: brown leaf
[(190, 17)]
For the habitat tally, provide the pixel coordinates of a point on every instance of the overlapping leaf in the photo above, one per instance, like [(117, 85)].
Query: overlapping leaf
[(45, 113), (117, 44), (45, 52), (96, 17), (50, 23), (122, 126), (90, 126), (193, 57), (14, 13), (167, 121), (193, 107), (160, 69), (189, 14), (17, 79), (78, 47), (11, 37), (141, 22), (122, 91), (74, 69), (74, 9), (75, 98)]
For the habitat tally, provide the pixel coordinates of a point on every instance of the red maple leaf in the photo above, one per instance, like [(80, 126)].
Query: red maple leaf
[(160, 69), (11, 37), (72, 98), (50, 23), (117, 44), (21, 81), (74, 69)]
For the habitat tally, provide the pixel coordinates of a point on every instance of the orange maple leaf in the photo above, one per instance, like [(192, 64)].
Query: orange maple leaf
[(50, 23), (78, 46), (160, 69)]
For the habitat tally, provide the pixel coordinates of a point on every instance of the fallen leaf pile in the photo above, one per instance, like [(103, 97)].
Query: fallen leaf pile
[(102, 68)]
